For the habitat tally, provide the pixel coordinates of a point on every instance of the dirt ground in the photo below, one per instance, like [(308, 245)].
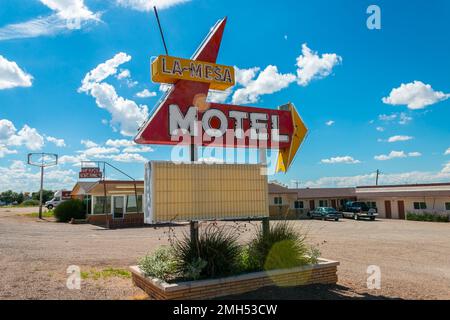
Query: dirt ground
[(34, 256)]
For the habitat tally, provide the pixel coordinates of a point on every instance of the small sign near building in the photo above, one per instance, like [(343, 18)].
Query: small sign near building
[(90, 173)]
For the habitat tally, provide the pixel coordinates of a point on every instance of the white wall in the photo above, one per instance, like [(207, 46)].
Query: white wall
[(433, 204)]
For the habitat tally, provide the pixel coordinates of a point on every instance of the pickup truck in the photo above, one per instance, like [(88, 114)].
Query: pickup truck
[(358, 210)]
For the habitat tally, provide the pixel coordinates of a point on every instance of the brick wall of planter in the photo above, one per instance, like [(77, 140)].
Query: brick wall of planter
[(325, 272), (129, 220)]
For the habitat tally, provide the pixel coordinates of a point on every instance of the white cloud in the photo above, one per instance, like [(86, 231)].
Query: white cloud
[(12, 76), (120, 143), (447, 152), (330, 123), (124, 113), (147, 5), (103, 71), (67, 15), (400, 138), (164, 87), (19, 177), (404, 118), (76, 160), (124, 74), (386, 117), (311, 66), (245, 76), (28, 137), (127, 158), (414, 154), (268, 81), (146, 94), (415, 95), (5, 151), (397, 155), (7, 130), (137, 149), (89, 143), (97, 152), (344, 159), (393, 178), (217, 96), (380, 129), (58, 142)]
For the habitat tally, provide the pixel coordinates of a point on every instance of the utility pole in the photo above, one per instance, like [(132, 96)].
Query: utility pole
[(378, 175), (297, 183), (46, 160)]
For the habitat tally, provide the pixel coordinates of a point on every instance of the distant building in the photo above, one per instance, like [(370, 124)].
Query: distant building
[(391, 201), (112, 203)]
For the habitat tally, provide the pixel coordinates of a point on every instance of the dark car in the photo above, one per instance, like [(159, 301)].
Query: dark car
[(358, 210), (325, 213)]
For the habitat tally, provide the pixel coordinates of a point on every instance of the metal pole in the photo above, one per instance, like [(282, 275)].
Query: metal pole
[(378, 174), (160, 30), (41, 192)]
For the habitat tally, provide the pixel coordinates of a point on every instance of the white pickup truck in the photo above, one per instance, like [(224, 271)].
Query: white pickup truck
[(58, 198)]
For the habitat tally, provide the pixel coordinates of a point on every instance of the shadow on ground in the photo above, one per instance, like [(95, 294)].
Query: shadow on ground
[(311, 292)]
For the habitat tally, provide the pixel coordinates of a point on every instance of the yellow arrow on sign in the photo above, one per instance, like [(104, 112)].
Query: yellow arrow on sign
[(286, 156)]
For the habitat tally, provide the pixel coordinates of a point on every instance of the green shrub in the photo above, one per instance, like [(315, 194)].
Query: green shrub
[(161, 264), (429, 217), (30, 203), (281, 248), (215, 255), (67, 210)]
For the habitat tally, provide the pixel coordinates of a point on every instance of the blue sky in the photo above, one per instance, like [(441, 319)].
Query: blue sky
[(372, 99)]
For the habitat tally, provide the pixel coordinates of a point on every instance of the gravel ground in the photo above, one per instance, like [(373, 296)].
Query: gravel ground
[(34, 256)]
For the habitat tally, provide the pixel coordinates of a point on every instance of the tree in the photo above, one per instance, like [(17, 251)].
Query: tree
[(46, 195)]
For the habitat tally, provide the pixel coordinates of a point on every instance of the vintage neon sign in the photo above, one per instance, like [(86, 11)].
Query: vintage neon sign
[(184, 108), (167, 69)]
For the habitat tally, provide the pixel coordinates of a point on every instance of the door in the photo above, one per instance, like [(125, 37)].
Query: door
[(401, 209), (118, 208), (388, 209), (333, 203), (311, 205)]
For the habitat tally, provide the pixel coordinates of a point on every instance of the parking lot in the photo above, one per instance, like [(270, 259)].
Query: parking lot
[(34, 256)]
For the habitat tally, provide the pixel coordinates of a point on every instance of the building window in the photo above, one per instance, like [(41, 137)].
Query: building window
[(371, 204), (100, 207), (278, 200), (298, 204), (323, 203), (131, 204), (420, 205), (447, 206)]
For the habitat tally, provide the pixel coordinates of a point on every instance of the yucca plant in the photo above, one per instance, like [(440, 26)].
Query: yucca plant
[(215, 254), (282, 247)]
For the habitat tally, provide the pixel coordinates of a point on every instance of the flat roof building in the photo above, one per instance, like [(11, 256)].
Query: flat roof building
[(391, 201)]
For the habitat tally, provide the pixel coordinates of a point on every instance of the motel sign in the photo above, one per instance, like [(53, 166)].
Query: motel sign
[(185, 112)]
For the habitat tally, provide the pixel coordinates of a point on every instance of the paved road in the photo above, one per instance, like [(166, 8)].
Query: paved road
[(413, 257)]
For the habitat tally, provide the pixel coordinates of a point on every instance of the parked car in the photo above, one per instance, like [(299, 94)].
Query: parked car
[(359, 210), (325, 213), (2, 203)]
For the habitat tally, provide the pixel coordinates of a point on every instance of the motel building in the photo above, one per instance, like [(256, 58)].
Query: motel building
[(391, 201), (112, 202)]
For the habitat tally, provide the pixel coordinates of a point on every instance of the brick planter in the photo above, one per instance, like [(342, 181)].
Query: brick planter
[(322, 273)]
